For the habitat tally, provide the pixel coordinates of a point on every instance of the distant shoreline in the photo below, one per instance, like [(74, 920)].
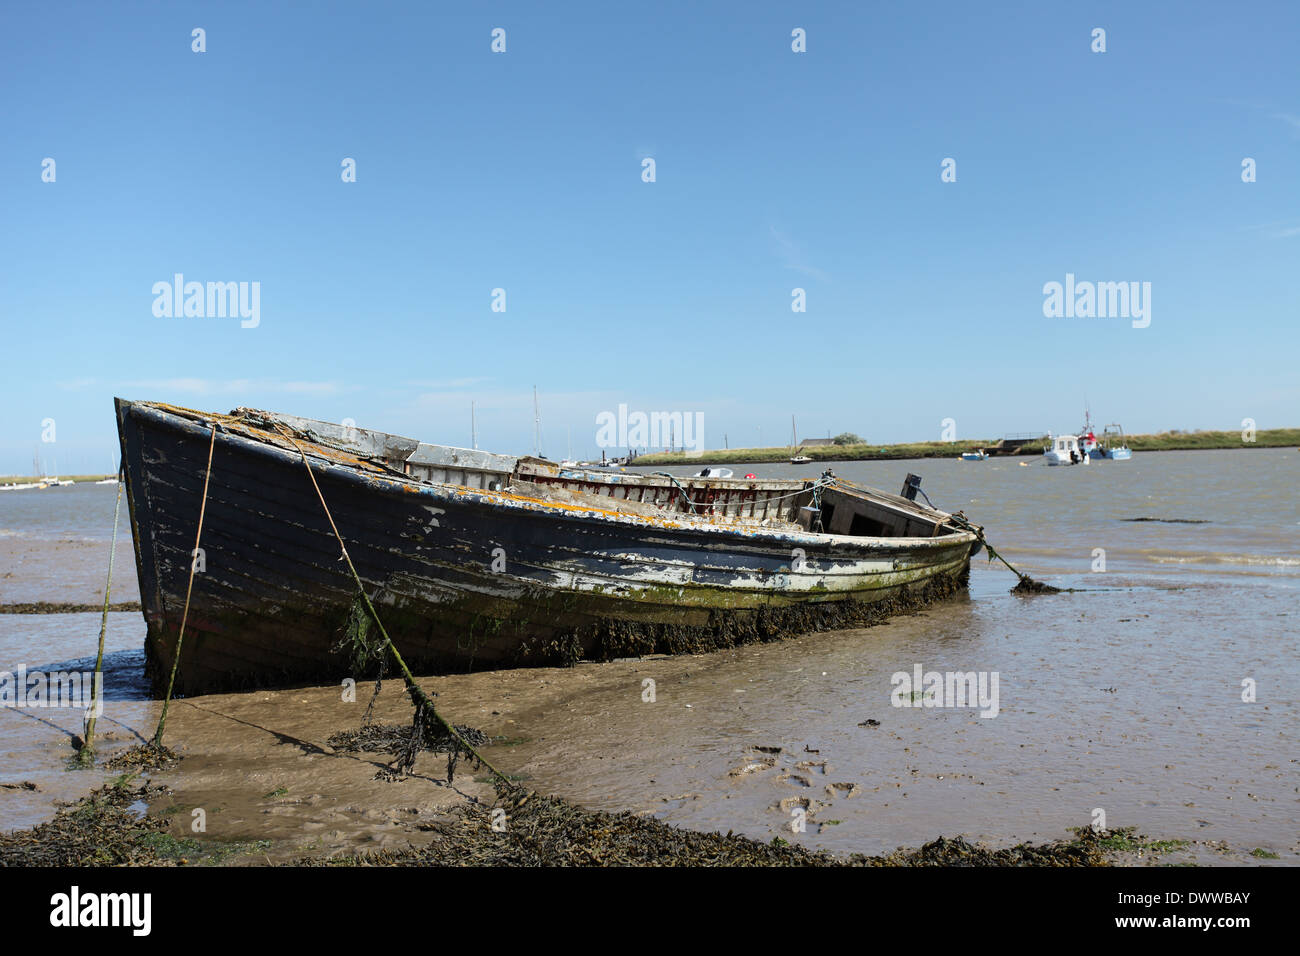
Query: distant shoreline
[(1165, 441), (24, 479)]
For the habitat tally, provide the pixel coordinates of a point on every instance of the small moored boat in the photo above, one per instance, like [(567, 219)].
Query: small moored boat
[(1112, 446), (1065, 450)]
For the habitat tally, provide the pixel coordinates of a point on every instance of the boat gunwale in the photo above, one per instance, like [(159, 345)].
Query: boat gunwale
[(359, 470)]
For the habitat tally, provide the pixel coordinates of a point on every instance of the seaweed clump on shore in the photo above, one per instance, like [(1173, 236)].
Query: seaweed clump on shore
[(395, 738), (102, 829), (48, 607), (148, 756), (1028, 585), (1086, 850), (531, 829), (107, 828)]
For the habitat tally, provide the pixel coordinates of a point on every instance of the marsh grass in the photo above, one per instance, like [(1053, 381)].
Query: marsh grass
[(1163, 441)]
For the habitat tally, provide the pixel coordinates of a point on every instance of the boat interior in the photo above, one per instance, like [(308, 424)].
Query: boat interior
[(822, 504), (825, 504)]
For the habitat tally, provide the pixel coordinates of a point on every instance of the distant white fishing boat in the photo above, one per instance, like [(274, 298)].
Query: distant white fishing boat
[(1065, 450), (1085, 447), (980, 455), (712, 472)]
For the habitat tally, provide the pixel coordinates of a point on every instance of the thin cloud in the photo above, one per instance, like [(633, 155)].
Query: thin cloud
[(792, 255), (206, 386), (1289, 118), (1284, 229)]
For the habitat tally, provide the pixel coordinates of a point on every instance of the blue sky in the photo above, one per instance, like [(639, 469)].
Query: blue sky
[(774, 170)]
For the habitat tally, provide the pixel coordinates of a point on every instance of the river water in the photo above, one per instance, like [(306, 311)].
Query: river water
[(1164, 692)]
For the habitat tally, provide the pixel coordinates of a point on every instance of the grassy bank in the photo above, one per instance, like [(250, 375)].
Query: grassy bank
[(1164, 441), (1191, 441)]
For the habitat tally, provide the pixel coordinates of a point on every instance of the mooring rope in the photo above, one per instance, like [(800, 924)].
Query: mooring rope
[(815, 487), (422, 700), (189, 588), (680, 490), (1026, 582), (88, 735)]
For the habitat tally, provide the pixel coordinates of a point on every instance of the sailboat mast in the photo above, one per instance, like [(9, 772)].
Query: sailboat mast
[(537, 426)]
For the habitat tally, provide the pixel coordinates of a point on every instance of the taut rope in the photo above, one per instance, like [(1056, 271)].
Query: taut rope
[(189, 588), (423, 703), (87, 752)]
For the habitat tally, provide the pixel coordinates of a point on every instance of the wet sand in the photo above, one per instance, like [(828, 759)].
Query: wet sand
[(260, 767), (60, 570)]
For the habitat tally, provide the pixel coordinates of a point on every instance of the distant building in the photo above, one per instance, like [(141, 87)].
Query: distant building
[(816, 442)]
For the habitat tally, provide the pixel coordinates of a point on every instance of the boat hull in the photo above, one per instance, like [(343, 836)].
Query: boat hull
[(462, 578)]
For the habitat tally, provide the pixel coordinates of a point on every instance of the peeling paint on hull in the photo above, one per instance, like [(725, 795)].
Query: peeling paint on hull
[(464, 578)]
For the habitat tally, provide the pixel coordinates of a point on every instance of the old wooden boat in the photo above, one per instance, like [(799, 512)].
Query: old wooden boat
[(477, 560)]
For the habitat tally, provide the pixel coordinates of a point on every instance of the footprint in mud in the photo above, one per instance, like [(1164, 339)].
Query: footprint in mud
[(800, 812), (797, 775), (807, 803), (846, 790), (754, 766)]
